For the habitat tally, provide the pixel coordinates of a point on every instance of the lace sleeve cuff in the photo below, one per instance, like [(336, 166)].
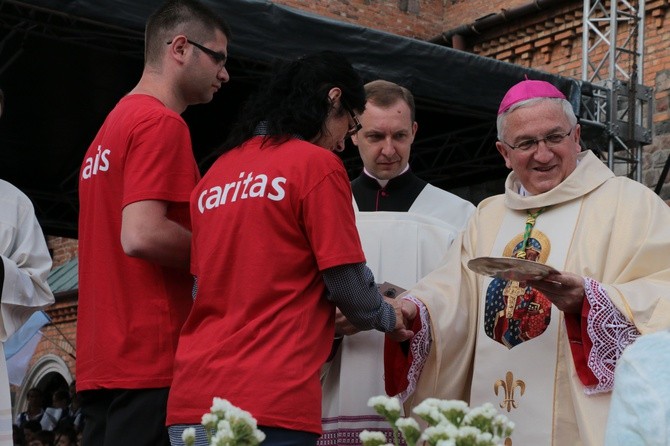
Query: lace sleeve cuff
[(610, 332), (419, 349)]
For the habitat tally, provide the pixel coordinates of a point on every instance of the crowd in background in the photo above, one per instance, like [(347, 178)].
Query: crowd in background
[(58, 423)]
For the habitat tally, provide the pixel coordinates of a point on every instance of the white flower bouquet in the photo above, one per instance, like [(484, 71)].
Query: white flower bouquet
[(227, 425), (450, 423)]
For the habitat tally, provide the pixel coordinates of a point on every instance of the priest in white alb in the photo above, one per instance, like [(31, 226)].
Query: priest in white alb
[(24, 267), (405, 225), (541, 343)]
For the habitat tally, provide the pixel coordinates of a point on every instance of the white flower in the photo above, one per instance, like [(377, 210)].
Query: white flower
[(410, 429), (451, 423), (259, 435), (220, 439), (502, 426), (441, 431), (366, 436), (430, 413), (228, 425), (188, 435), (407, 423), (224, 427), (486, 410), (220, 406), (445, 405), (387, 407), (393, 405), (486, 437), (390, 404), (468, 431), (223, 437), (235, 414), (209, 420)]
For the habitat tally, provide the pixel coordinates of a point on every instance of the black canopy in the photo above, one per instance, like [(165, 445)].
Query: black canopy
[(65, 63)]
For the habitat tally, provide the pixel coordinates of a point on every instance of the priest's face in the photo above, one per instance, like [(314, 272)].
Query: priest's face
[(540, 145), (385, 139)]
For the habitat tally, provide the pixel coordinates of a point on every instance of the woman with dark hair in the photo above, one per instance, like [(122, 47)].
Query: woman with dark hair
[(274, 249), (297, 101)]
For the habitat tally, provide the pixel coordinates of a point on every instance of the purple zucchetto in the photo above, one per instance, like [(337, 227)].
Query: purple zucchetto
[(528, 89)]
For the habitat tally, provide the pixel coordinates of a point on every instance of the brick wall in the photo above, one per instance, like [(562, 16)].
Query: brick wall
[(59, 338), (549, 40), (411, 18), (656, 154), (62, 249), (422, 19), (460, 12)]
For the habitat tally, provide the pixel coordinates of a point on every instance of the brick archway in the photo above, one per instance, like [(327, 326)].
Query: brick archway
[(48, 369)]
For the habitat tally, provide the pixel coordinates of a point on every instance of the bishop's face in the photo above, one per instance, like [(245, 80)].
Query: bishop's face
[(545, 165)]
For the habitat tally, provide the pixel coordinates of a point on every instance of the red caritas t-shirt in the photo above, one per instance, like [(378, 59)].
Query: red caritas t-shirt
[(130, 310), (266, 221)]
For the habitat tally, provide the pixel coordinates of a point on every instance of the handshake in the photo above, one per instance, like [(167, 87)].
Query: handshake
[(405, 312)]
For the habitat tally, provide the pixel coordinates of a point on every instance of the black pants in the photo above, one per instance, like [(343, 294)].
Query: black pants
[(286, 437), (274, 436), (124, 417)]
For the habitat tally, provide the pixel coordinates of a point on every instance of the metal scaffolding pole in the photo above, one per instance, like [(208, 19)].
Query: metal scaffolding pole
[(612, 63)]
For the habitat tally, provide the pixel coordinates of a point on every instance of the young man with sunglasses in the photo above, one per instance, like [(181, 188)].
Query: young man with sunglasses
[(134, 229)]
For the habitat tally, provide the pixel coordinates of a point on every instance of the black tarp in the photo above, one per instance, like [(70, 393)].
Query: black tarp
[(64, 63)]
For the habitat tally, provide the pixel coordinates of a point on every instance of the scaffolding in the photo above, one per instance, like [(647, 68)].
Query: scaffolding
[(614, 102)]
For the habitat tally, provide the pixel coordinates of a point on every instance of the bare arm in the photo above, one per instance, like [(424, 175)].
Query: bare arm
[(148, 234)]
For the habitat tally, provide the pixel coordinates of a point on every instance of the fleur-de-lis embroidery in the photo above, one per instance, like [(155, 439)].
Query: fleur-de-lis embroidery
[(509, 386)]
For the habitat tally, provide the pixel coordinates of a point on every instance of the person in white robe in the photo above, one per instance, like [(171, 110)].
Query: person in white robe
[(406, 226), (24, 270), (543, 350), (640, 410)]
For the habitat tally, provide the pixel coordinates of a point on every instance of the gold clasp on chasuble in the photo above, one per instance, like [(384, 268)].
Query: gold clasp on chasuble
[(509, 386)]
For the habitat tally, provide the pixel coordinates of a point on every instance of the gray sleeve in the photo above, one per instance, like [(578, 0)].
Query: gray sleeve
[(352, 288)]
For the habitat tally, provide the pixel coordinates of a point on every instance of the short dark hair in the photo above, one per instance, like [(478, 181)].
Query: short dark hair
[(188, 17), (294, 100), (35, 390), (65, 430), (32, 426), (384, 94), (45, 437), (61, 395)]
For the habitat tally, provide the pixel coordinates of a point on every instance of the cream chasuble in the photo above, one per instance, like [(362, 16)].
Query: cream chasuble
[(521, 396), (400, 247), (608, 229)]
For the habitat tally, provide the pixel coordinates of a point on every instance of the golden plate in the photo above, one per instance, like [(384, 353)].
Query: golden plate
[(510, 268)]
